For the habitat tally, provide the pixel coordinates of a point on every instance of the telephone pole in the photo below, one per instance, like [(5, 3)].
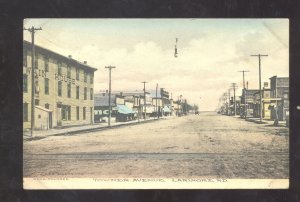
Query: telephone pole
[(144, 82), (109, 94), (32, 30), (228, 102), (260, 92), (234, 101), (244, 88)]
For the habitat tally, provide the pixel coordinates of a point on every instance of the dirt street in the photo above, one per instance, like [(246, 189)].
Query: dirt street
[(205, 145)]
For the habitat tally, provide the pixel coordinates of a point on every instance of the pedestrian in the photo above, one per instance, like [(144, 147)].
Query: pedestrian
[(276, 116)]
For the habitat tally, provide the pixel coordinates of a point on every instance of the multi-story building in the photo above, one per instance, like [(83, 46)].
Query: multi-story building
[(64, 89)]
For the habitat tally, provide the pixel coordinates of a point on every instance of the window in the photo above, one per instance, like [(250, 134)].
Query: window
[(47, 106), (77, 92), (85, 93), (68, 71), (77, 113), (69, 90), (83, 113), (85, 76), (59, 88), (25, 83), (91, 94), (46, 86), (25, 112), (46, 60), (36, 102), (25, 58), (77, 74), (92, 78), (66, 112), (59, 69)]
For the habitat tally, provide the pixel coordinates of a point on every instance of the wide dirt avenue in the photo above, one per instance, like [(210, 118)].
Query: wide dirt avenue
[(205, 145)]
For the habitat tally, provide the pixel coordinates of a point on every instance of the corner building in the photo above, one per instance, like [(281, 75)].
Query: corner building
[(64, 89)]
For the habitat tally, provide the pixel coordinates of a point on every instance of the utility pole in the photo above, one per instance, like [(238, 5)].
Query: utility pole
[(156, 102), (234, 101), (109, 94), (144, 82), (229, 101), (260, 91), (32, 30), (244, 88)]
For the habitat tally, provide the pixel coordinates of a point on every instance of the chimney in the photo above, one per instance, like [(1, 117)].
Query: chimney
[(121, 93), (106, 92), (85, 62), (70, 56), (266, 84)]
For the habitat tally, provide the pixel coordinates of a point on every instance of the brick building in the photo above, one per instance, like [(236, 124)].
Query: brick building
[(64, 89)]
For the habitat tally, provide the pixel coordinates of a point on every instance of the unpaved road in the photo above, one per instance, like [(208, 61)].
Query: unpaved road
[(205, 145)]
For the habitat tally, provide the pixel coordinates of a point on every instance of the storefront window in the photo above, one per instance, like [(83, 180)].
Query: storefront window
[(66, 112)]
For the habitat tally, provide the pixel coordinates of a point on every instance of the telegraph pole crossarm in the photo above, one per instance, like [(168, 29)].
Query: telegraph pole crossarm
[(32, 31), (260, 91)]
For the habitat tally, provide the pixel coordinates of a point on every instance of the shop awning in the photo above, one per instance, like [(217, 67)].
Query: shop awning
[(122, 109), (166, 109)]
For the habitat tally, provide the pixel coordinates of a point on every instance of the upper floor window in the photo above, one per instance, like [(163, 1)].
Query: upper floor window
[(25, 83), (25, 58), (85, 93), (59, 88), (59, 69), (77, 92), (25, 112), (85, 76), (69, 90), (46, 60), (68, 71), (77, 74), (91, 93), (46, 86), (36, 61), (91, 78)]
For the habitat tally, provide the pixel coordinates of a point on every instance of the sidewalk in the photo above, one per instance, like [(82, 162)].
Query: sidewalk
[(269, 122), (40, 134)]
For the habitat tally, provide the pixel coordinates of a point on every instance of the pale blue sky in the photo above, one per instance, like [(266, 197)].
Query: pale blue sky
[(211, 51)]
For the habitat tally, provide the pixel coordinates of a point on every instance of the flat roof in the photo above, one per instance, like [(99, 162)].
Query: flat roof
[(27, 44)]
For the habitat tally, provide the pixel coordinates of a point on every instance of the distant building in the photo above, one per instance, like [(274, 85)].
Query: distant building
[(279, 87), (64, 89), (121, 110)]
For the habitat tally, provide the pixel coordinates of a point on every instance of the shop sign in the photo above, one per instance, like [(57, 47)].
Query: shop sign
[(64, 78)]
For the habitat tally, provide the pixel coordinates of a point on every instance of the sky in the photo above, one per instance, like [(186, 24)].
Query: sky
[(211, 52)]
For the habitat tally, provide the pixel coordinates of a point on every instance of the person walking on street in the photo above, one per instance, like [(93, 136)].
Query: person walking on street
[(276, 116)]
